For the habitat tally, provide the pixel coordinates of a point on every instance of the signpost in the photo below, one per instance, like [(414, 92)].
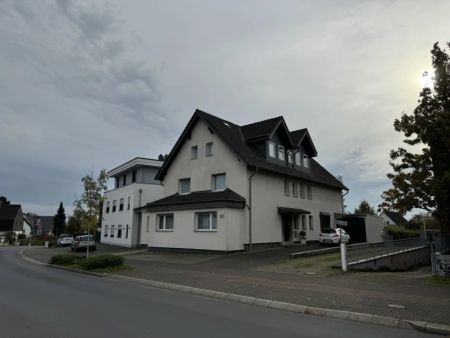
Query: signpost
[(342, 245)]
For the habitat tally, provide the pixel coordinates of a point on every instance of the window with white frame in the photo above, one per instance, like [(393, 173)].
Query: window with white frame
[(126, 231), (106, 231), (311, 223), (148, 224), (286, 187), (290, 157), (309, 191), (298, 159), (129, 203), (281, 153), (302, 190), (119, 231), (209, 149), (185, 186), (165, 222), (218, 182), (112, 231), (305, 161), (296, 222), (206, 221), (272, 149), (303, 222), (121, 204), (114, 206), (107, 207), (295, 189), (194, 152)]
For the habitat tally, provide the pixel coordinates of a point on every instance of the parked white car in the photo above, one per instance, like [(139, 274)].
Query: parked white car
[(333, 236), (64, 239)]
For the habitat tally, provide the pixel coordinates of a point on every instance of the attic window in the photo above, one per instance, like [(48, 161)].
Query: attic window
[(305, 161), (281, 153)]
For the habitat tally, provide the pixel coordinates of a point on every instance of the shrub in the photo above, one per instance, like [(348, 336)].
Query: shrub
[(21, 236), (65, 259), (100, 262), (400, 232)]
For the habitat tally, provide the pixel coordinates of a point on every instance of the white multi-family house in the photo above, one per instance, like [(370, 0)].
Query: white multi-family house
[(230, 187), (134, 185)]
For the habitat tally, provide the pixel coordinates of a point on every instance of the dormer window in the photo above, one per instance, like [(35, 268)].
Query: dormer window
[(281, 153), (298, 159), (290, 157), (305, 161), (272, 149)]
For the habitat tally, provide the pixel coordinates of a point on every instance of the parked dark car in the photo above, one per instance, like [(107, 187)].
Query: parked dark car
[(82, 242)]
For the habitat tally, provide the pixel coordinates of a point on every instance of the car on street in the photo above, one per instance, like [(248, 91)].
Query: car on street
[(83, 242), (64, 239), (333, 236)]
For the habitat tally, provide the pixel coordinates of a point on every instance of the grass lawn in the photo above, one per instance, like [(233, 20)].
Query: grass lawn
[(322, 264)]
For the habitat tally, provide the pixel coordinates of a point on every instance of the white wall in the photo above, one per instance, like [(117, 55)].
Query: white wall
[(228, 237), (224, 160), (268, 194), (150, 193), (374, 228)]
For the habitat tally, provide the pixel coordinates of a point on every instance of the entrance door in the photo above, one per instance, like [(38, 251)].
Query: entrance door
[(286, 224)]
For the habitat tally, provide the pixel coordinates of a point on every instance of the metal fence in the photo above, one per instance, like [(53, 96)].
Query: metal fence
[(359, 253)]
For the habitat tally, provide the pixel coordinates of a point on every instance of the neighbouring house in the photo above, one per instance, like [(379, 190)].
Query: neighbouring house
[(11, 218), (134, 186), (228, 187), (364, 228), (44, 225), (28, 225), (393, 217)]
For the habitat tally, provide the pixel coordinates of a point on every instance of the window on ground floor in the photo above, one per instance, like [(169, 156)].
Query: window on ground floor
[(165, 222), (112, 231), (148, 224), (286, 187), (126, 231), (311, 223), (121, 204), (206, 221), (303, 221), (119, 231), (106, 231)]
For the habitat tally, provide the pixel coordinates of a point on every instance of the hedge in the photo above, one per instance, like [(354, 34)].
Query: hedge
[(100, 262), (400, 232), (65, 259)]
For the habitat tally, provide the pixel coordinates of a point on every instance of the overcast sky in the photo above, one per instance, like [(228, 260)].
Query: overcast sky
[(85, 86)]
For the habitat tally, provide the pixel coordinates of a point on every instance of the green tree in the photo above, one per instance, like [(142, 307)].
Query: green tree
[(421, 177), (74, 225), (364, 208), (89, 206), (59, 221)]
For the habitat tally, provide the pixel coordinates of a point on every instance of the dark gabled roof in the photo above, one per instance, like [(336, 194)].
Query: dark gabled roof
[(198, 200), (261, 129), (297, 135), (232, 135), (396, 217), (302, 136), (8, 214)]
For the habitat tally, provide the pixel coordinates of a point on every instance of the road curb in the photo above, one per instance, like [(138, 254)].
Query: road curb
[(290, 307), (59, 267), (267, 303)]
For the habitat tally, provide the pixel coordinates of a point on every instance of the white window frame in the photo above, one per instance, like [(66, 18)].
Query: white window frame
[(211, 217), (108, 207), (298, 159), (214, 182), (164, 225), (294, 189), (129, 203), (180, 185), (281, 153), (272, 149), (209, 149), (114, 206), (121, 204), (290, 157), (194, 152), (305, 161), (106, 231), (126, 231), (112, 231), (119, 231), (311, 222)]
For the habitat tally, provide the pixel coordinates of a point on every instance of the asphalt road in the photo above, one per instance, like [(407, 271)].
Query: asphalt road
[(37, 301)]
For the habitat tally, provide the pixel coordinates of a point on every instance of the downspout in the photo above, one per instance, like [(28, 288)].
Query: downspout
[(249, 206)]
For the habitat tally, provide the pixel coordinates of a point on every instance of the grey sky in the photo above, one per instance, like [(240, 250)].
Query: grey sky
[(88, 85)]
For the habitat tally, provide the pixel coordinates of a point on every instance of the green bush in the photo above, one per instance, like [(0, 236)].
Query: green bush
[(100, 262), (65, 259), (400, 232)]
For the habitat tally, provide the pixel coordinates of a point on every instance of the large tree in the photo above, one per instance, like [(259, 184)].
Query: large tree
[(59, 221), (364, 208), (89, 206), (421, 175)]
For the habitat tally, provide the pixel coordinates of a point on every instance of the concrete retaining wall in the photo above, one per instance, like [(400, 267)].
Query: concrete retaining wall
[(401, 261)]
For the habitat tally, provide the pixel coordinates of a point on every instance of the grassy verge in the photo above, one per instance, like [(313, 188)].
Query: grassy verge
[(439, 281)]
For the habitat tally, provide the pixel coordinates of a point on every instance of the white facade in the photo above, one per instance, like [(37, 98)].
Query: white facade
[(232, 233), (120, 222)]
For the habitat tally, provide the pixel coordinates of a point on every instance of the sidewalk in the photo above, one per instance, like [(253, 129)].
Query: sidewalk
[(400, 295)]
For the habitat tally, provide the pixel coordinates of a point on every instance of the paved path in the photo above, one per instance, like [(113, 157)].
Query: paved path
[(37, 301)]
